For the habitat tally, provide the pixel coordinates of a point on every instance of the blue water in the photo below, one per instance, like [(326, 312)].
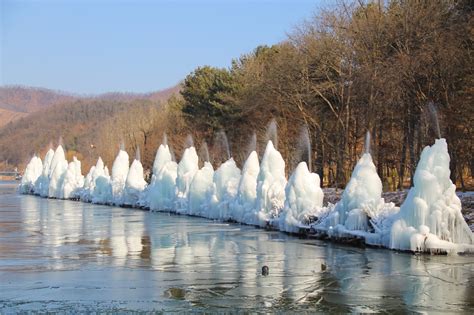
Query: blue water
[(70, 256)]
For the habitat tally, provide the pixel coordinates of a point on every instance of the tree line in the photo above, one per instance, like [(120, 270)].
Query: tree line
[(390, 68)]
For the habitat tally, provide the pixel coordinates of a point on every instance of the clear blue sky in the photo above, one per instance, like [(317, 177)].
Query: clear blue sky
[(137, 46)]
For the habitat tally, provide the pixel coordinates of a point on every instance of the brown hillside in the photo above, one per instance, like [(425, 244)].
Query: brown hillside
[(19, 101), (7, 116)]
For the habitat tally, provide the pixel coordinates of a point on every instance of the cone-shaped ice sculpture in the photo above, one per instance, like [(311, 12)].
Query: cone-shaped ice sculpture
[(271, 184), (163, 156), (187, 167), (200, 190), (89, 181), (162, 193), (430, 219), (59, 166), (243, 209), (134, 185), (32, 173), (226, 181), (362, 197), (102, 192), (304, 199), (42, 183), (119, 175), (73, 180)]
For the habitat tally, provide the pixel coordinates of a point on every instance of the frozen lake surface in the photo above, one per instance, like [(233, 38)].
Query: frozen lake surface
[(58, 255)]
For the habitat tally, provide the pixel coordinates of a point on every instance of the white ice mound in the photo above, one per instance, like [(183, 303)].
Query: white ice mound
[(200, 189), (187, 167), (42, 183), (226, 181), (73, 180), (32, 173), (134, 185), (59, 166), (89, 181), (163, 156), (271, 182), (119, 176), (162, 191), (102, 192), (92, 191), (362, 197), (243, 209), (430, 218), (304, 199)]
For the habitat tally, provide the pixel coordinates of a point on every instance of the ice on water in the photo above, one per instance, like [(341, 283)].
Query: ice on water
[(200, 190), (187, 168), (73, 180), (271, 182), (303, 199), (41, 186), (135, 184), (160, 194), (33, 171), (429, 220), (59, 167), (226, 180), (361, 201), (244, 204), (120, 170)]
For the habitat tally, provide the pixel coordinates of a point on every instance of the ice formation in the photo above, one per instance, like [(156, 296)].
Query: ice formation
[(97, 187), (102, 192), (304, 199), (245, 201), (32, 173), (187, 167), (271, 182), (73, 180), (226, 180), (162, 191), (200, 189), (430, 218), (162, 157), (134, 185), (361, 199), (59, 167), (119, 176), (89, 180), (41, 186)]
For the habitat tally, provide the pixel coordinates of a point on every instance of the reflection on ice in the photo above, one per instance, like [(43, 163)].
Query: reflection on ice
[(95, 255)]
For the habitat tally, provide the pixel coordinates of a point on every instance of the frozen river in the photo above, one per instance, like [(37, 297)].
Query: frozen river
[(63, 255)]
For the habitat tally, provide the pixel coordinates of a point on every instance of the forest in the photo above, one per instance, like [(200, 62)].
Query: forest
[(389, 69), (393, 68)]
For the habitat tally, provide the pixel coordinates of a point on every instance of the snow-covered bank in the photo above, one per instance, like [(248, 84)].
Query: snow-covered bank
[(429, 220)]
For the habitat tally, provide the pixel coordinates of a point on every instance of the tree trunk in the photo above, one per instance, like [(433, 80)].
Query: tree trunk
[(401, 172)]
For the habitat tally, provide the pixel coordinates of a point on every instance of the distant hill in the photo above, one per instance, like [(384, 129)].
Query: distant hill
[(29, 99), (152, 96), (7, 116), (30, 118), (80, 124), (19, 101)]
